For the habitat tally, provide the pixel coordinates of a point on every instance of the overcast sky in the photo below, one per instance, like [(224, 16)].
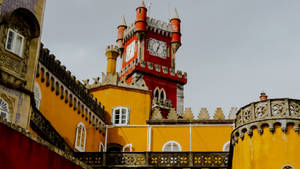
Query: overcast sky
[(231, 49)]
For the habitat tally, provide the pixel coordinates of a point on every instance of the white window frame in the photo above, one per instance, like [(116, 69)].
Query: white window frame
[(37, 95), (225, 146), (101, 147), (172, 142), (80, 126), (13, 43), (120, 116), (5, 110), (127, 146)]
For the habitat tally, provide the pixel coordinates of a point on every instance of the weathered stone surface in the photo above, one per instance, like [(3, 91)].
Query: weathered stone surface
[(203, 115), (232, 113), (172, 114), (219, 115), (156, 114), (188, 114)]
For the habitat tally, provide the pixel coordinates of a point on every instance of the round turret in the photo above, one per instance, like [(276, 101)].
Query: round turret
[(175, 23), (121, 29), (266, 135), (141, 18), (112, 53)]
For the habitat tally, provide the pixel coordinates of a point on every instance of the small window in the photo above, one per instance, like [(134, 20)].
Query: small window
[(14, 42), (120, 116), (80, 137), (4, 109), (171, 146)]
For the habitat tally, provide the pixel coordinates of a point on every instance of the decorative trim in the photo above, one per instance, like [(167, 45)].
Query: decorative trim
[(82, 130)]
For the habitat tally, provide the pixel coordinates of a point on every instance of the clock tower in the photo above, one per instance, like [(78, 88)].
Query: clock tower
[(148, 49)]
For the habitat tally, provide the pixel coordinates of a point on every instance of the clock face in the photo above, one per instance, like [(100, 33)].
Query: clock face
[(130, 50), (157, 48)]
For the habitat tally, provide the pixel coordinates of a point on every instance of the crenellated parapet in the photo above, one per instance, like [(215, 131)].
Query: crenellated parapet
[(153, 25), (70, 90), (269, 113), (161, 71), (114, 80), (189, 117)]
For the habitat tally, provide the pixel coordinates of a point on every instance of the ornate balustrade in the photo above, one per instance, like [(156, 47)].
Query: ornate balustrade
[(46, 131), (167, 104), (155, 159), (269, 112)]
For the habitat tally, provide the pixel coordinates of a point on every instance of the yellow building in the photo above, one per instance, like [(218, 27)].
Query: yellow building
[(135, 117)]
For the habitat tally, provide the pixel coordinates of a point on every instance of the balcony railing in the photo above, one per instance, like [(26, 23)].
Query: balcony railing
[(166, 104), (155, 159)]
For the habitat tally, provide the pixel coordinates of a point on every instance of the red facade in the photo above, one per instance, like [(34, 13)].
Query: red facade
[(17, 151)]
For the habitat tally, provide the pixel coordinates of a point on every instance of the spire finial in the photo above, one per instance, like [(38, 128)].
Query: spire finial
[(175, 14), (142, 5), (123, 21)]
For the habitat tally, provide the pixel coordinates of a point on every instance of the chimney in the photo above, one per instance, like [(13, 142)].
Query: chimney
[(263, 96)]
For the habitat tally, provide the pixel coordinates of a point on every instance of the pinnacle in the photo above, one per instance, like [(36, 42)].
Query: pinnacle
[(123, 21), (142, 5), (175, 14)]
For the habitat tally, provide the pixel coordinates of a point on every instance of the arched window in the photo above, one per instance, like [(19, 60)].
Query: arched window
[(156, 93), (101, 147), (120, 116), (37, 95), (171, 146), (80, 137), (4, 111), (162, 95), (127, 148), (226, 146), (288, 167)]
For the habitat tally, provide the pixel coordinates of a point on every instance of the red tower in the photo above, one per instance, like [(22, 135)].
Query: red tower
[(150, 46)]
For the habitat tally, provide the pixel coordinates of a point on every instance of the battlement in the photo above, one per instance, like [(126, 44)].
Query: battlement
[(269, 112), (113, 79), (112, 48), (162, 71), (188, 117), (153, 25), (75, 86)]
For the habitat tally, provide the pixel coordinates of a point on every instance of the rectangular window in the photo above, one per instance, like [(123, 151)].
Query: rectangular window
[(120, 116), (14, 42)]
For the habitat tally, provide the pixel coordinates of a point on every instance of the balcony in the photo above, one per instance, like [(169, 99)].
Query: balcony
[(164, 104), (205, 160)]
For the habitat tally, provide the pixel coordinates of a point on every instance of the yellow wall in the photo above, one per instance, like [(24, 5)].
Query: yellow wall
[(138, 101), (204, 138), (267, 151), (137, 136), (64, 119)]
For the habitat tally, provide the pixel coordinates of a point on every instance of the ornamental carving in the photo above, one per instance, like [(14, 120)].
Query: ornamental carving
[(247, 114), (278, 108), (295, 108), (267, 113), (261, 110)]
